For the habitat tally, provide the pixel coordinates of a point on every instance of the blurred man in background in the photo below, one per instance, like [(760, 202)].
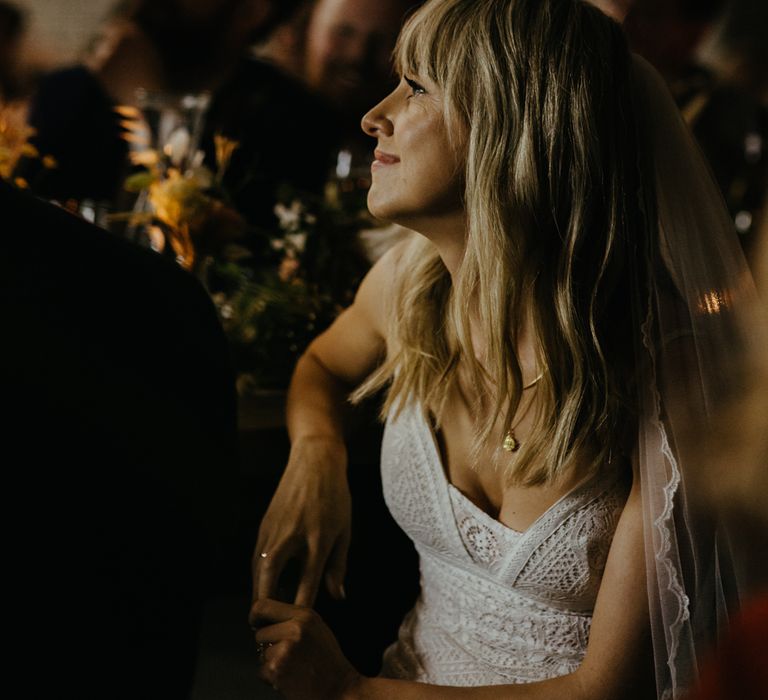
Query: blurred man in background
[(714, 56), (349, 50), (12, 27), (296, 99)]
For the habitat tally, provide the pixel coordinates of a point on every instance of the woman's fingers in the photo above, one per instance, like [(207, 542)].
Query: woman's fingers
[(290, 631), (310, 578), (270, 656), (309, 513), (297, 652), (337, 566), (267, 567), (267, 612)]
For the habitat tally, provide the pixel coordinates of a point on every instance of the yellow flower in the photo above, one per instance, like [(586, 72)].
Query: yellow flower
[(179, 201), (135, 128), (14, 139), (147, 157), (289, 267), (14, 142), (225, 147)]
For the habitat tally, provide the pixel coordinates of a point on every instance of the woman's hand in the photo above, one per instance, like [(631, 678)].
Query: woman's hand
[(299, 656), (308, 521)]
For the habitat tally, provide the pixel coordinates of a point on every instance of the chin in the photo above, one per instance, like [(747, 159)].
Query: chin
[(379, 209)]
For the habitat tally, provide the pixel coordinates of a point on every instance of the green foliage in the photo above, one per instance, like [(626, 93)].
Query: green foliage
[(309, 272), (139, 181)]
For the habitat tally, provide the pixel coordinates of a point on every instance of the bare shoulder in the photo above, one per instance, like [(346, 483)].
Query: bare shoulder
[(377, 292), (357, 341)]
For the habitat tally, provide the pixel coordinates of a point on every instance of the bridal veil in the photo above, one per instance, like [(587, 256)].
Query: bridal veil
[(691, 294)]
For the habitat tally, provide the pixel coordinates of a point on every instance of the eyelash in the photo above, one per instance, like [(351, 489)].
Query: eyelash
[(417, 89)]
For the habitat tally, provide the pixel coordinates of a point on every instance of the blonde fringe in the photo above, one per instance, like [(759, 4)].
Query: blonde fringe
[(549, 181)]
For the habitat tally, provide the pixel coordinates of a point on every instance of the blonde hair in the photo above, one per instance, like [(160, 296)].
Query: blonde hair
[(542, 90)]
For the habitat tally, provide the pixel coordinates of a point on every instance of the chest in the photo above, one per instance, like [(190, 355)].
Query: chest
[(481, 478), (560, 555)]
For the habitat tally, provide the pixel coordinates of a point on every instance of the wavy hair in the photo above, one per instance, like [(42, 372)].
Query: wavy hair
[(542, 88)]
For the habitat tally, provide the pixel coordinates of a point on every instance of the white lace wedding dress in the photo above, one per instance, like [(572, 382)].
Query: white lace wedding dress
[(496, 606)]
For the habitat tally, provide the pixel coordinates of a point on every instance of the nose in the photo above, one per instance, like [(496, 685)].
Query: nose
[(376, 123)]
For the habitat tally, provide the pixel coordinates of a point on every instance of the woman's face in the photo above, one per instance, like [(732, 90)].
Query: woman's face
[(418, 174)]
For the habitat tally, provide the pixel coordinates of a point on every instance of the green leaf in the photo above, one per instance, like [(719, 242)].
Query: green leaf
[(139, 181)]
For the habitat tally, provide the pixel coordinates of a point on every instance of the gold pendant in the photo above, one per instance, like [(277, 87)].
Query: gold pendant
[(510, 444)]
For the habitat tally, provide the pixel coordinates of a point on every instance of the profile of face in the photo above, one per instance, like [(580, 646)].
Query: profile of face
[(348, 50), (418, 173)]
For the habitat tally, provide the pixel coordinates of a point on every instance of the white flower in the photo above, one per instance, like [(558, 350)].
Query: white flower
[(297, 241), (289, 218), (177, 146), (197, 159)]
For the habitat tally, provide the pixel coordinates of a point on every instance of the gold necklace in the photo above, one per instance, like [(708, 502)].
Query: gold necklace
[(511, 443)]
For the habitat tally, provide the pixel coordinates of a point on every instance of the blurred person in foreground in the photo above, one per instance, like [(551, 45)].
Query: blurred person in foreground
[(119, 447), (564, 320), (733, 486)]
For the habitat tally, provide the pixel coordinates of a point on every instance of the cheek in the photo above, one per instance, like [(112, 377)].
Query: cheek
[(429, 178), (435, 168)]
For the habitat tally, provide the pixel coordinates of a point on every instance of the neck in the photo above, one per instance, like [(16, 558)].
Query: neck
[(447, 233)]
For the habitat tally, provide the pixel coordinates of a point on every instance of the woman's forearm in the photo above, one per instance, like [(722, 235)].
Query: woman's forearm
[(316, 402), (566, 687), (309, 515)]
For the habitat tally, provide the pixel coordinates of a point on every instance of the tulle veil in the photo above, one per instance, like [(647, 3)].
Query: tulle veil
[(693, 287)]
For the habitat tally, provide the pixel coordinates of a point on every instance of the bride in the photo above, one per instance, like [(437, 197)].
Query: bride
[(541, 343)]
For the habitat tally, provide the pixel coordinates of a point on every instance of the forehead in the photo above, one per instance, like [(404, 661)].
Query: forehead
[(434, 39), (380, 16)]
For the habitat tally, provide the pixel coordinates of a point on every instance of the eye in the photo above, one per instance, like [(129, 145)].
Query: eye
[(417, 89)]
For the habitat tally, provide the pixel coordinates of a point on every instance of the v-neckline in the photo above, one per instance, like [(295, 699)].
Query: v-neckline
[(450, 486)]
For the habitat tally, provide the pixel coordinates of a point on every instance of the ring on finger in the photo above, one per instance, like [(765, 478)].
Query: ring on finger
[(261, 649)]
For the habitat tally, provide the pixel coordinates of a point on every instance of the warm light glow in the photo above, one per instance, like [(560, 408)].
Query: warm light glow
[(714, 301)]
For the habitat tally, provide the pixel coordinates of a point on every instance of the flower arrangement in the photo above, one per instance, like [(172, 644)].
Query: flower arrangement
[(15, 144), (280, 292), (310, 272), (181, 202)]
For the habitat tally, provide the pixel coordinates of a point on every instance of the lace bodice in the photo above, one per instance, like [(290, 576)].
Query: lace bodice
[(496, 605)]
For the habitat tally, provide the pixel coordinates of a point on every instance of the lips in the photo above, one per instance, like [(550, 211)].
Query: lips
[(385, 158)]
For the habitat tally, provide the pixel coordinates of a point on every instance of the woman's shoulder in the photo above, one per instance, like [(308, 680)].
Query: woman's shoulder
[(391, 260), (377, 290)]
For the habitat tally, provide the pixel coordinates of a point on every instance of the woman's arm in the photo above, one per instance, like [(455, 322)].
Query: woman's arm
[(309, 516), (617, 663)]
